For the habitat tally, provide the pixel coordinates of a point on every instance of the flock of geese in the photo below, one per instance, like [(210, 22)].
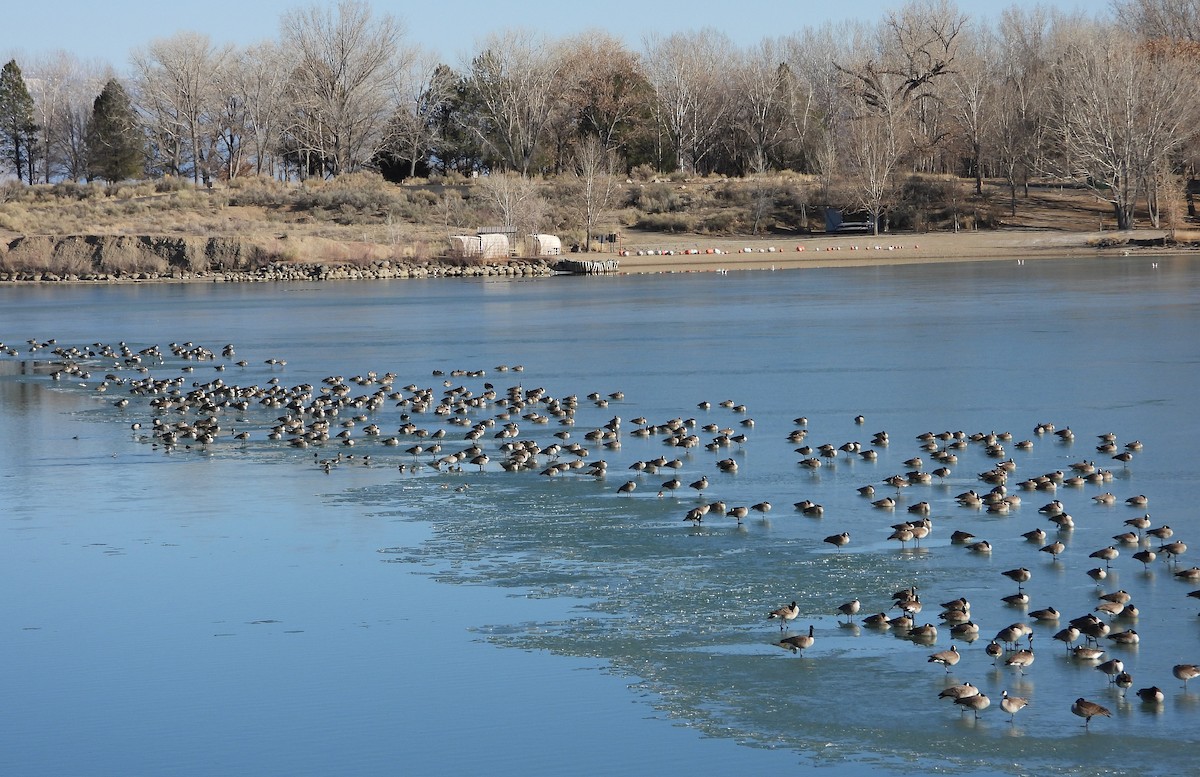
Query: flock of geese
[(493, 426), (1085, 636)]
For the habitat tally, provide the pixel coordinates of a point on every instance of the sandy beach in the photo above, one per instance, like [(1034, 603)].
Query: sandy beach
[(777, 252)]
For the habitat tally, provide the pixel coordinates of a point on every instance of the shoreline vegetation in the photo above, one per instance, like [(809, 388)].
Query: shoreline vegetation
[(361, 228)]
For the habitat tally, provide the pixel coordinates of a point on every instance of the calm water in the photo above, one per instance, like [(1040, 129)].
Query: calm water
[(235, 609)]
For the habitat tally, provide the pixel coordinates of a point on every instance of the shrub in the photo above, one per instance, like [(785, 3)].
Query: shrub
[(74, 256), (658, 198), (128, 255), (172, 183), (30, 253), (642, 173), (722, 223), (14, 218), (667, 222)]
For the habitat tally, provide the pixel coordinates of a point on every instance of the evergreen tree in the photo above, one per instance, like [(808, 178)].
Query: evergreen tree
[(18, 132), (114, 140)]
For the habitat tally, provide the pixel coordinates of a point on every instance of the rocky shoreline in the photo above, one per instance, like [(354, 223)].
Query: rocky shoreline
[(292, 272), (141, 259)]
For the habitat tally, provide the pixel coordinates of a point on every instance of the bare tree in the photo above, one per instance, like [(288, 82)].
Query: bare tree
[(1124, 108), (1022, 95), (870, 157), (973, 83), (179, 86), (818, 101), (766, 102), (63, 89), (252, 110), (686, 73), (1169, 19), (595, 184), (426, 89), (920, 46), (343, 85), (515, 200), (516, 79)]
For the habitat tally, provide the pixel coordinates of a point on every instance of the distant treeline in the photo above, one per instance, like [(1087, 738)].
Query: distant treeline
[(925, 89)]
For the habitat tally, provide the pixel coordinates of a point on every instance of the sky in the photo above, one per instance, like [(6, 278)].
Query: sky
[(107, 32)]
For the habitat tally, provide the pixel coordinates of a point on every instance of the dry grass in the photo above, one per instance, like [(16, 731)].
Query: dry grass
[(359, 219)]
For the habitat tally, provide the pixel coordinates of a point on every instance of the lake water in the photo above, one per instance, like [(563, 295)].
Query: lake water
[(251, 607)]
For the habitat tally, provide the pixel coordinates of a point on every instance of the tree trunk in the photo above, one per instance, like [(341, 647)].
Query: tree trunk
[(1124, 215), (978, 162)]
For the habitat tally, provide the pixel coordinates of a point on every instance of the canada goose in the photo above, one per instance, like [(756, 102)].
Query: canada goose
[(1097, 574), (1022, 658), (1123, 681), (960, 537), (1010, 634), (1137, 501), (627, 487), (1019, 599), (850, 608), (994, 651), (1120, 597), (967, 631), (955, 692), (1147, 557), (1112, 667), (1140, 523), (1173, 549), (1021, 576), (910, 605), (1108, 554), (798, 643), (762, 507), (1185, 672), (700, 484), (1088, 710), (1190, 575), (903, 535), (1127, 538), (1046, 614), (785, 614), (926, 633), (1161, 532), (1012, 705), (1110, 608), (983, 546), (1067, 636), (1037, 535), (1151, 695), (960, 603), (878, 621), (838, 540), (1051, 508), (738, 512), (976, 703), (955, 617), (947, 658), (1063, 521)]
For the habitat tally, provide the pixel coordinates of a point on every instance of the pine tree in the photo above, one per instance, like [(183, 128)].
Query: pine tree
[(18, 132), (114, 139)]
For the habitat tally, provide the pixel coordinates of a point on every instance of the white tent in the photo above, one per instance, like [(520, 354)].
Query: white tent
[(545, 245)]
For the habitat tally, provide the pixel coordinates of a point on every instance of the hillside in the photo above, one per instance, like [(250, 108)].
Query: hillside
[(360, 219)]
